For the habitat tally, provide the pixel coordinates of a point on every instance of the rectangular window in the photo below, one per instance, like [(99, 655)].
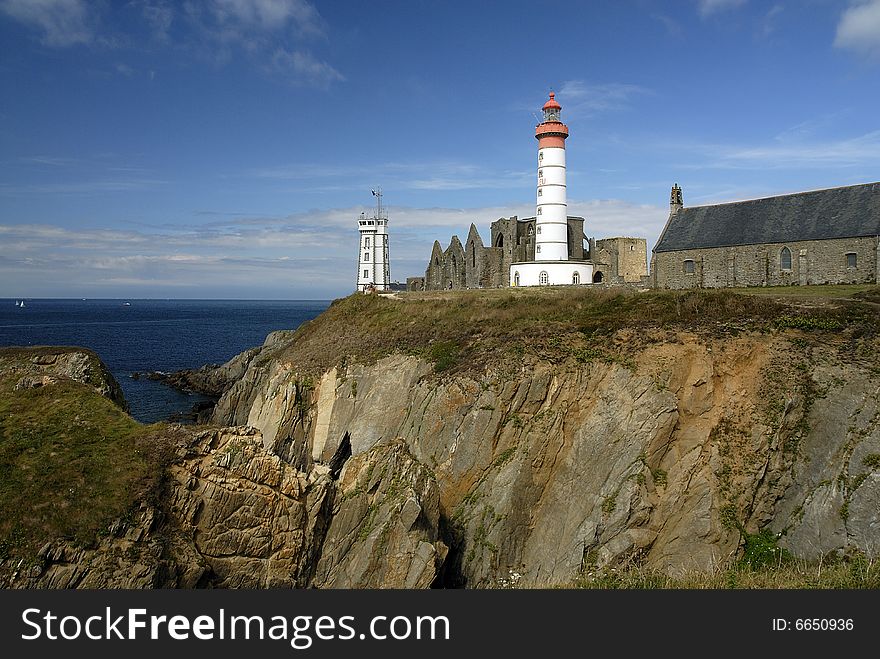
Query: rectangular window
[(850, 260), (539, 229), (540, 192), (540, 155), (688, 267), (366, 273), (367, 241), (366, 256)]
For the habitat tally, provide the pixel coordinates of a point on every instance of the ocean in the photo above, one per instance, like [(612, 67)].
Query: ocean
[(152, 335)]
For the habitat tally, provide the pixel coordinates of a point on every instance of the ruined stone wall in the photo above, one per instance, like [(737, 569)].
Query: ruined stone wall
[(627, 259)]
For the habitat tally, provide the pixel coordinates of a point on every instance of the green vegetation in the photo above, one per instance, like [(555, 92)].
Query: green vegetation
[(71, 462), (830, 573), (761, 551), (444, 354), (467, 330), (809, 322), (872, 461)]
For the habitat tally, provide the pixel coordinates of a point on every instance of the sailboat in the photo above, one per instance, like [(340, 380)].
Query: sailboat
[(21, 304)]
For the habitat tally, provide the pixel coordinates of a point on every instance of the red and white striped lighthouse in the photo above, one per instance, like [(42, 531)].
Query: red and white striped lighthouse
[(551, 218), (552, 265)]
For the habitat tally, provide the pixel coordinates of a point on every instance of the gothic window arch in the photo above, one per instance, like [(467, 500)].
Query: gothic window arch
[(516, 278), (543, 279), (785, 259), (473, 255), (576, 278)]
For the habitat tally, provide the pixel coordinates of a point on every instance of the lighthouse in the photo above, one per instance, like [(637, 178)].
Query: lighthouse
[(551, 265), (373, 266)]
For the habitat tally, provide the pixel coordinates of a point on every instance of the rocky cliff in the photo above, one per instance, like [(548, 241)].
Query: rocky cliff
[(504, 439), (665, 446)]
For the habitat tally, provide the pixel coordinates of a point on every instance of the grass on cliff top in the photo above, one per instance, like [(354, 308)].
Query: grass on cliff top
[(835, 574), (467, 328), (71, 461)]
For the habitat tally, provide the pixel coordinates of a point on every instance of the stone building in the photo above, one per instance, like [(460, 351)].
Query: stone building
[(620, 260), (819, 237), (477, 265)]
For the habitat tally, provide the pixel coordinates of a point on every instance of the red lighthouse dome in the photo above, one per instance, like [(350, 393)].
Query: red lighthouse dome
[(552, 103)]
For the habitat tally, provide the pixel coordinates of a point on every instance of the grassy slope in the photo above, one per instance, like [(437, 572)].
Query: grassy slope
[(70, 462), (468, 329)]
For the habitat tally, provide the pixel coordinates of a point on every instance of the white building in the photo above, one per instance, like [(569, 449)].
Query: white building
[(374, 270), (551, 265)]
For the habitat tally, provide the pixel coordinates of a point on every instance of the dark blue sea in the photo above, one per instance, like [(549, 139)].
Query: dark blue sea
[(152, 335)]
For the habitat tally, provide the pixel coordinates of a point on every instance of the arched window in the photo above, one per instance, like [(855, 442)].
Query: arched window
[(542, 278), (516, 278), (785, 259), (500, 241), (597, 277), (531, 229), (689, 267), (576, 278), (473, 255), (539, 210)]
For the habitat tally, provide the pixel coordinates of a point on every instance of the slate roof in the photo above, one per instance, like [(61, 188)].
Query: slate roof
[(846, 212)]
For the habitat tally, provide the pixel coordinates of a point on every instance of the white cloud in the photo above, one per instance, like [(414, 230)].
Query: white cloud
[(784, 154), (579, 98), (768, 24), (709, 7), (303, 67), (859, 28), (307, 255), (268, 14), (160, 17), (62, 22), (425, 175), (124, 69)]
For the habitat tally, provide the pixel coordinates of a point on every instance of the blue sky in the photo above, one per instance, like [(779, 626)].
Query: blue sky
[(223, 148)]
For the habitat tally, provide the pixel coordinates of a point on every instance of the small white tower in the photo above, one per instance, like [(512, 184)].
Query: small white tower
[(551, 265), (373, 266)]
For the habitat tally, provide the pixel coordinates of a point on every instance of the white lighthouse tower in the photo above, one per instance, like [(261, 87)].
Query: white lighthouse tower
[(551, 265), (373, 266)]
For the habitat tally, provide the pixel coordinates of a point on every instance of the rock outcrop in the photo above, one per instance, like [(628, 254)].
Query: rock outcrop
[(44, 366), (666, 460), (234, 515)]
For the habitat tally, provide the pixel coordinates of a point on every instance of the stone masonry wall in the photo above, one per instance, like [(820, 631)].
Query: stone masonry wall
[(627, 259), (812, 262)]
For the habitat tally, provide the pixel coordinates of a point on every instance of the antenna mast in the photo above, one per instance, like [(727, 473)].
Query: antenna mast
[(378, 194)]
